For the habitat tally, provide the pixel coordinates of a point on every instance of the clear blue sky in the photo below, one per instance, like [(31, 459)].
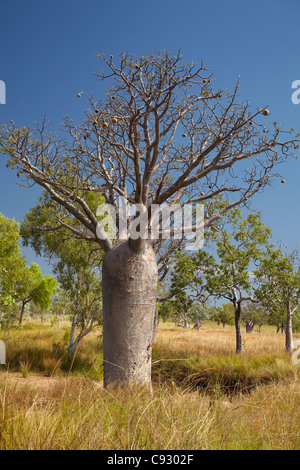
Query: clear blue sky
[(47, 55)]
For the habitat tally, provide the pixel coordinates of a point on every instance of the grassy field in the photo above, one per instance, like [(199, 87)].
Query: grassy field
[(204, 396)]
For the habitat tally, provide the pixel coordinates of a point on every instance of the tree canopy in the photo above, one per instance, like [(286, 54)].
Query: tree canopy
[(161, 134), (19, 282)]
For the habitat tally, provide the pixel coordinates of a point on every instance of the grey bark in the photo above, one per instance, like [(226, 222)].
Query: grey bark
[(289, 344), (249, 326), (72, 345), (129, 298), (74, 342), (238, 328), (155, 324)]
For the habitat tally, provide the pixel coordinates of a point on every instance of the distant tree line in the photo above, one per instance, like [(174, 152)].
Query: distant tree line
[(239, 264)]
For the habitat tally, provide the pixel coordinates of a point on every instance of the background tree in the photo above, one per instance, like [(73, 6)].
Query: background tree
[(198, 313), (277, 317), (253, 314), (60, 304), (296, 321), (31, 285), (165, 310), (227, 275), (85, 306), (162, 134), (223, 314), (279, 291), (36, 312), (188, 286), (19, 282), (238, 250), (75, 262), (10, 261)]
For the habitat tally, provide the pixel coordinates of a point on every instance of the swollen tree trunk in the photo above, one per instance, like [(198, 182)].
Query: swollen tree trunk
[(129, 298), (289, 344), (238, 333)]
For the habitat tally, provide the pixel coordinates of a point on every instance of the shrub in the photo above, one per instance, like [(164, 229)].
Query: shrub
[(51, 366), (25, 367)]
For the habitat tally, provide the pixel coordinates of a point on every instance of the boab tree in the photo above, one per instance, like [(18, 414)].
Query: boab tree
[(161, 134)]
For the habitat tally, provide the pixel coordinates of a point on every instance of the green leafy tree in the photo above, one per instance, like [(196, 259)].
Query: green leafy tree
[(279, 290), (296, 321), (19, 282), (254, 314), (238, 250), (86, 306), (277, 317), (165, 310), (227, 275), (224, 314), (198, 313), (32, 285), (10, 261), (75, 263)]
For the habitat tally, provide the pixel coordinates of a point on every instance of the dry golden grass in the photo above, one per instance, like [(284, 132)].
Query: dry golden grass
[(193, 405), (207, 359), (77, 413), (214, 340)]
